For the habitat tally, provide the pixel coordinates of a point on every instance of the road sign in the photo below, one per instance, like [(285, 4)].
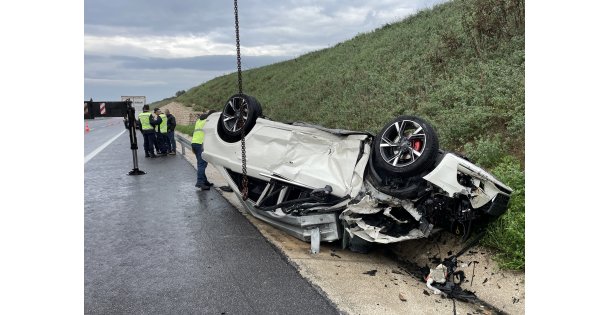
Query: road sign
[(105, 109)]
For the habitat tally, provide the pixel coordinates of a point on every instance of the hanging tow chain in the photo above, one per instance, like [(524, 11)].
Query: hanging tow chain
[(241, 121)]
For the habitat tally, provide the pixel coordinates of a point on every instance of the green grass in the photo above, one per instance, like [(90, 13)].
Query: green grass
[(507, 234), (459, 65), (185, 129)]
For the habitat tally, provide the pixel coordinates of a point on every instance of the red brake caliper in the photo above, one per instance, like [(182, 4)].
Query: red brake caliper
[(417, 145)]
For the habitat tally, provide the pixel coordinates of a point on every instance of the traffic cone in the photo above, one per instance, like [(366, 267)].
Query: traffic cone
[(86, 127)]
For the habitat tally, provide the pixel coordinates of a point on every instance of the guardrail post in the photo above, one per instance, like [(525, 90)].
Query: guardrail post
[(315, 240), (183, 142)]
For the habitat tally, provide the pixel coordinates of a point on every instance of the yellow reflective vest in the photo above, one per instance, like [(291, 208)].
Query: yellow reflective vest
[(163, 125), (199, 135), (144, 119)]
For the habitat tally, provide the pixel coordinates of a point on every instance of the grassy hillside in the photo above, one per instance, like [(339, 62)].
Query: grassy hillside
[(459, 65), (162, 102)]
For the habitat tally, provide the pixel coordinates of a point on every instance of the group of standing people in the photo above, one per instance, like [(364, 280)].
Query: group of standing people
[(158, 129)]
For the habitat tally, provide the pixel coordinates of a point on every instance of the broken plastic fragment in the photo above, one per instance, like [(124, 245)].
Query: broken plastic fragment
[(438, 275), (402, 297), (430, 281), (371, 272)]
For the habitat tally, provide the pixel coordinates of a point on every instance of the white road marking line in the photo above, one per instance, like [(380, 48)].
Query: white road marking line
[(103, 146)]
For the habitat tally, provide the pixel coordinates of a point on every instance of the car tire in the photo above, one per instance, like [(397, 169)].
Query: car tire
[(409, 188), (227, 125), (406, 146)]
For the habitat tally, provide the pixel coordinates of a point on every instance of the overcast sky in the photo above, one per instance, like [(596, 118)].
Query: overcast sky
[(157, 47)]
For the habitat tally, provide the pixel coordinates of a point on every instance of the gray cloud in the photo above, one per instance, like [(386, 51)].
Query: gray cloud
[(211, 63), (140, 17), (110, 77), (262, 21), (174, 45)]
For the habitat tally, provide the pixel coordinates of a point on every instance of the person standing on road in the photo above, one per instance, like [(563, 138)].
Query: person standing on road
[(162, 135), (144, 123), (157, 120), (197, 148), (171, 123)]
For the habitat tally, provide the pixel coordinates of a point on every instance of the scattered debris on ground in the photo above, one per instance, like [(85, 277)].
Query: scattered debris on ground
[(402, 297), (371, 272), (445, 280), (437, 275)]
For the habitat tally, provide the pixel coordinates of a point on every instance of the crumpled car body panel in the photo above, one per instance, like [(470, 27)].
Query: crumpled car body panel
[(289, 164), (303, 155)]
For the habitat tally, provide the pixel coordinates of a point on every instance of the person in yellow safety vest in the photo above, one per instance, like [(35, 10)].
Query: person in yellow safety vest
[(158, 143), (197, 148), (161, 135), (144, 123)]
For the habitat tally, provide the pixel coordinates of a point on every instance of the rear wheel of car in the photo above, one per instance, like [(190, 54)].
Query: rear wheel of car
[(396, 186), (406, 146), (228, 127)]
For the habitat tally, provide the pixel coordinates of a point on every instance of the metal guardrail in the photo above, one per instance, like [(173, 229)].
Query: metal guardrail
[(315, 234), (184, 142)]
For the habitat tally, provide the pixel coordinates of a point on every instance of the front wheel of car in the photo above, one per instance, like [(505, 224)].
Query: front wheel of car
[(406, 146), (228, 126)]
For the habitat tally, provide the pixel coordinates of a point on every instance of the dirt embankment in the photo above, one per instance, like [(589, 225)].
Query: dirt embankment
[(183, 115)]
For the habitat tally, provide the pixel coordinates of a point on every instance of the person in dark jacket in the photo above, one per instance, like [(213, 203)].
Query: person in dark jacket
[(155, 121), (171, 123)]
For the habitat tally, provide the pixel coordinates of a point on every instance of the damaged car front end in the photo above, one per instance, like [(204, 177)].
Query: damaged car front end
[(347, 185)]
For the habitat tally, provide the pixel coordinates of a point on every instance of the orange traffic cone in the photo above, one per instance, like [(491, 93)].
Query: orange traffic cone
[(86, 127)]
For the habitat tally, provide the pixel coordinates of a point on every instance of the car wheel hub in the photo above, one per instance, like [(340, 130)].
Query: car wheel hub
[(403, 143), (232, 113)]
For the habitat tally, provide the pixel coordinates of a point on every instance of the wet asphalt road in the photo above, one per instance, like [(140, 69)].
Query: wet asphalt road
[(153, 244)]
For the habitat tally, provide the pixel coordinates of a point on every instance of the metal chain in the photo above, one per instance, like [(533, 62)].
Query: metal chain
[(238, 47), (245, 188), (241, 122)]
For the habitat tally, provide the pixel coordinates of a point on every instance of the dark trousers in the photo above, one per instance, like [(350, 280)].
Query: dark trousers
[(149, 139), (160, 143), (201, 164), (171, 137), (165, 140)]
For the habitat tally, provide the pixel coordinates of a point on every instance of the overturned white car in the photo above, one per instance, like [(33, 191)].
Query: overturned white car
[(338, 184)]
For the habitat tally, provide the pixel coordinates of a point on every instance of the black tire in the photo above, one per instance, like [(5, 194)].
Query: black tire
[(405, 188), (227, 125), (406, 146)]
